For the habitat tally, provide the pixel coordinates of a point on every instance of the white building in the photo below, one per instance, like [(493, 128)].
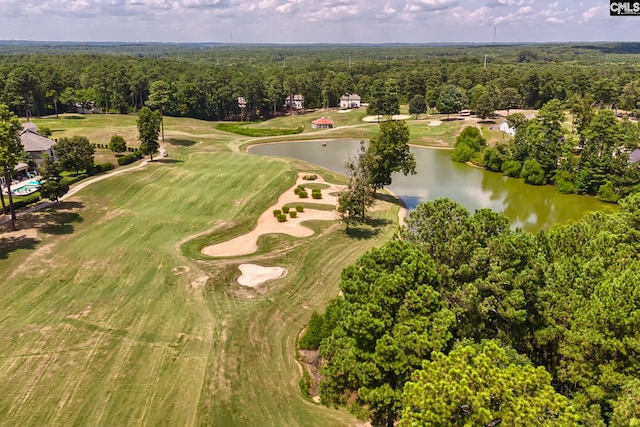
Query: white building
[(350, 100)]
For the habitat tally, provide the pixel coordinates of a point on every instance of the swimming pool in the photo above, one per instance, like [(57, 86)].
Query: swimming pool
[(25, 187)]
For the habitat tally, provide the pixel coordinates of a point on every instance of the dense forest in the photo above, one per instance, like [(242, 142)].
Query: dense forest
[(204, 81), (464, 321)]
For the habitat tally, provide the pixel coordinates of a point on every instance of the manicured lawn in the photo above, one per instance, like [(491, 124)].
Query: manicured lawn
[(111, 317)]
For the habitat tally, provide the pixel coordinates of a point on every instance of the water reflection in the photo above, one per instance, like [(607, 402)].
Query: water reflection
[(528, 207)]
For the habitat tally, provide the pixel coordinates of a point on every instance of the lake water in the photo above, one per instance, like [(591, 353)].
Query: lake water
[(529, 207)]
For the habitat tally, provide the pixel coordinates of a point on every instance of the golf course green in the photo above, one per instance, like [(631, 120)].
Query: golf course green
[(112, 316)]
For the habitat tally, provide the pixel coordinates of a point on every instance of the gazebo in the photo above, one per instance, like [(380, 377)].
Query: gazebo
[(322, 123)]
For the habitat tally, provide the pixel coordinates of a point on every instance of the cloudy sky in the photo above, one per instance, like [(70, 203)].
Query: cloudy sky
[(314, 21)]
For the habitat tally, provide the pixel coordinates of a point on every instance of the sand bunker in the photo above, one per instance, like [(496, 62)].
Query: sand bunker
[(254, 275), (383, 118), (435, 123), (267, 223)]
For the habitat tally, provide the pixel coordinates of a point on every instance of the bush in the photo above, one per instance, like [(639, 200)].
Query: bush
[(299, 208), (607, 193), (276, 212), (303, 194), (285, 209), (310, 177), (532, 173), (44, 131), (21, 201), (316, 194), (512, 168), (129, 158), (315, 333), (293, 214), (564, 182), (68, 180), (281, 218), (138, 154)]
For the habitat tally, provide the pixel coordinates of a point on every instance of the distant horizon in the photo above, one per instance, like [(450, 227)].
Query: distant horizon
[(444, 43), (315, 21)]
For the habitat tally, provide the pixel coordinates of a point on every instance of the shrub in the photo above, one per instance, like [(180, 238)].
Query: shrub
[(316, 194), (21, 201), (303, 194), (310, 177), (138, 154), (299, 208), (293, 214), (512, 168), (68, 180), (285, 209), (45, 131), (276, 212), (129, 158), (281, 218), (607, 193), (564, 182), (532, 173)]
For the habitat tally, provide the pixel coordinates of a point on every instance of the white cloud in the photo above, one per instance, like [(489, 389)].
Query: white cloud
[(317, 20)]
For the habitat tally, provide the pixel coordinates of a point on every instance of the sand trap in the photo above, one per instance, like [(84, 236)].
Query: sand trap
[(254, 275), (435, 122), (267, 224), (383, 118)]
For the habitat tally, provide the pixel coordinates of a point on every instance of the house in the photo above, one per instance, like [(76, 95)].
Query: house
[(294, 102), (322, 123), (36, 145), (504, 127), (242, 103), (349, 100)]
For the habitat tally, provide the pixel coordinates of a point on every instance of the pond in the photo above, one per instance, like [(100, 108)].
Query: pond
[(529, 207)]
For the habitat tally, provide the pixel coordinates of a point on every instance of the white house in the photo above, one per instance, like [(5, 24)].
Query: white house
[(349, 100), (295, 102), (504, 127)]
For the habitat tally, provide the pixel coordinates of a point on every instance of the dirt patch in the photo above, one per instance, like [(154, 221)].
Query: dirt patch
[(312, 363), (254, 275), (435, 122), (267, 223)]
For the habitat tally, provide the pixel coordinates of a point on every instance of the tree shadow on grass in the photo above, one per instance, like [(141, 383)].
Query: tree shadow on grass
[(371, 228), (390, 198), (62, 223), (167, 161), (181, 142), (12, 244), (74, 118), (57, 219)]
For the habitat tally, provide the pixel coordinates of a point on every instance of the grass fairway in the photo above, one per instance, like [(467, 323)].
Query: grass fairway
[(108, 319)]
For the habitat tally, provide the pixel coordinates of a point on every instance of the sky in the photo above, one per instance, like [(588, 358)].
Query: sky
[(314, 21)]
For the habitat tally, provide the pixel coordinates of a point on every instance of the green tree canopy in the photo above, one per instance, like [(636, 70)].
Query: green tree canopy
[(53, 186), (389, 152), (117, 144), (11, 151), (449, 100), (483, 385), (148, 129), (391, 320), (75, 153), (417, 105)]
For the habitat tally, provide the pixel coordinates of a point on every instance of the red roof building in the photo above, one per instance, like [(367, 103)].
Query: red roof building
[(322, 123)]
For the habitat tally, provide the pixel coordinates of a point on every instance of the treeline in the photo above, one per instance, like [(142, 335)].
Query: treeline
[(594, 160), (205, 81), (464, 321)]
